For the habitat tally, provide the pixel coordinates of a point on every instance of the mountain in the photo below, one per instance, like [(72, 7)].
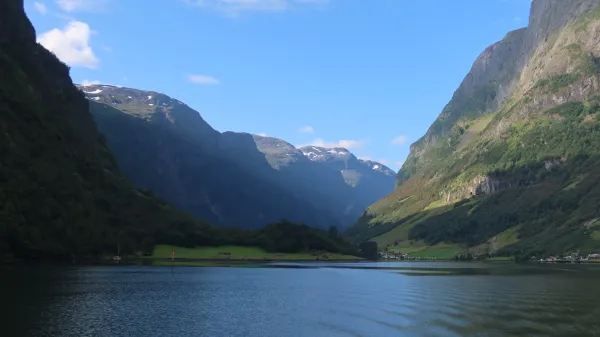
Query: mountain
[(511, 166), (61, 194), (332, 177), (366, 176), (165, 147), (231, 179)]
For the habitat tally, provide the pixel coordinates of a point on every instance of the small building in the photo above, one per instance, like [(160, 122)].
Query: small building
[(593, 257)]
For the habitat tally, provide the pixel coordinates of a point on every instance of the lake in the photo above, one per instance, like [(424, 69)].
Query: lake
[(303, 299)]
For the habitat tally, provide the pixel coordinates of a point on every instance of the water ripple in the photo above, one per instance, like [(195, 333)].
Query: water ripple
[(316, 300)]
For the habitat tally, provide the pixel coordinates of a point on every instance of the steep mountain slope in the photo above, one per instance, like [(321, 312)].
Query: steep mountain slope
[(60, 191), (214, 176), (233, 179), (511, 165)]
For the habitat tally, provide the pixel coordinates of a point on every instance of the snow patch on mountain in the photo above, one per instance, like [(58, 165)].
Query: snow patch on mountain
[(378, 167), (94, 92)]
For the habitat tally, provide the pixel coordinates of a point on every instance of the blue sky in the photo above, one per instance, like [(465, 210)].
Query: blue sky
[(370, 75)]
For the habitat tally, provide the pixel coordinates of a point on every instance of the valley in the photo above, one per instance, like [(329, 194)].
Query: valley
[(341, 204)]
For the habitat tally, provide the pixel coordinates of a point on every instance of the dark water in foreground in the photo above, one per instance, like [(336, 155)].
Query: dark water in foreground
[(367, 299)]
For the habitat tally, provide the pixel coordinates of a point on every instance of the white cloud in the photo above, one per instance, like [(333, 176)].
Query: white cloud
[(203, 79), (81, 5), (400, 140), (40, 8), (306, 129), (87, 83), (350, 144), (262, 134), (381, 161), (71, 45), (236, 7), (345, 143)]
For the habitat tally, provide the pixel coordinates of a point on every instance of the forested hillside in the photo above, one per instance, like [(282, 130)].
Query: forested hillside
[(60, 191)]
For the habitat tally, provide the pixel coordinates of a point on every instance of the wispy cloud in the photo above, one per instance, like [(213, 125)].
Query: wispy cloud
[(81, 5), (40, 7), (263, 134), (306, 129), (381, 161), (400, 140), (201, 79), (350, 144), (71, 44), (87, 83), (236, 7)]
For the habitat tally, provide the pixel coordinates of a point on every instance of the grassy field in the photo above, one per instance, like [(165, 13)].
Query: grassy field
[(418, 249), (501, 259), (240, 253), (439, 251)]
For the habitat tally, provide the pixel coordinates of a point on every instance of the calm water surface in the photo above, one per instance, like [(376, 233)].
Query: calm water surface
[(359, 299)]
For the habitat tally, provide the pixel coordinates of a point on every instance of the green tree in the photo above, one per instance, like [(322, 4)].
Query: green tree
[(368, 250)]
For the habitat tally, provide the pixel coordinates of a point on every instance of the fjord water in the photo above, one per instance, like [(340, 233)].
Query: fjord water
[(358, 299)]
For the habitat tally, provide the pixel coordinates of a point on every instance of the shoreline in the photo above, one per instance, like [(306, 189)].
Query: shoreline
[(225, 262), (146, 261)]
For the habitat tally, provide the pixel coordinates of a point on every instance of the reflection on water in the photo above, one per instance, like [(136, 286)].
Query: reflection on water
[(358, 299)]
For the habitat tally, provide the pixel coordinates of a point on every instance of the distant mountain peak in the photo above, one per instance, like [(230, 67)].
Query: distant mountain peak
[(278, 152), (322, 154), (139, 103), (151, 106), (281, 154), (379, 167), (340, 154)]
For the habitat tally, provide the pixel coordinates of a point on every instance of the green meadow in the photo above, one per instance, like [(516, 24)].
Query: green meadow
[(240, 253)]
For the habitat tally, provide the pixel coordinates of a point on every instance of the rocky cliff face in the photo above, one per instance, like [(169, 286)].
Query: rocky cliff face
[(547, 16), (524, 124), (494, 75)]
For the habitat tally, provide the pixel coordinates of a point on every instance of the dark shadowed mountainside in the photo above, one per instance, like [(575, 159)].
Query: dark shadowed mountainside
[(60, 191), (232, 179)]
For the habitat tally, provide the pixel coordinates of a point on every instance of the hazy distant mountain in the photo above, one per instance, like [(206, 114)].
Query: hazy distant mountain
[(512, 164), (335, 177), (356, 172), (368, 179), (234, 179)]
